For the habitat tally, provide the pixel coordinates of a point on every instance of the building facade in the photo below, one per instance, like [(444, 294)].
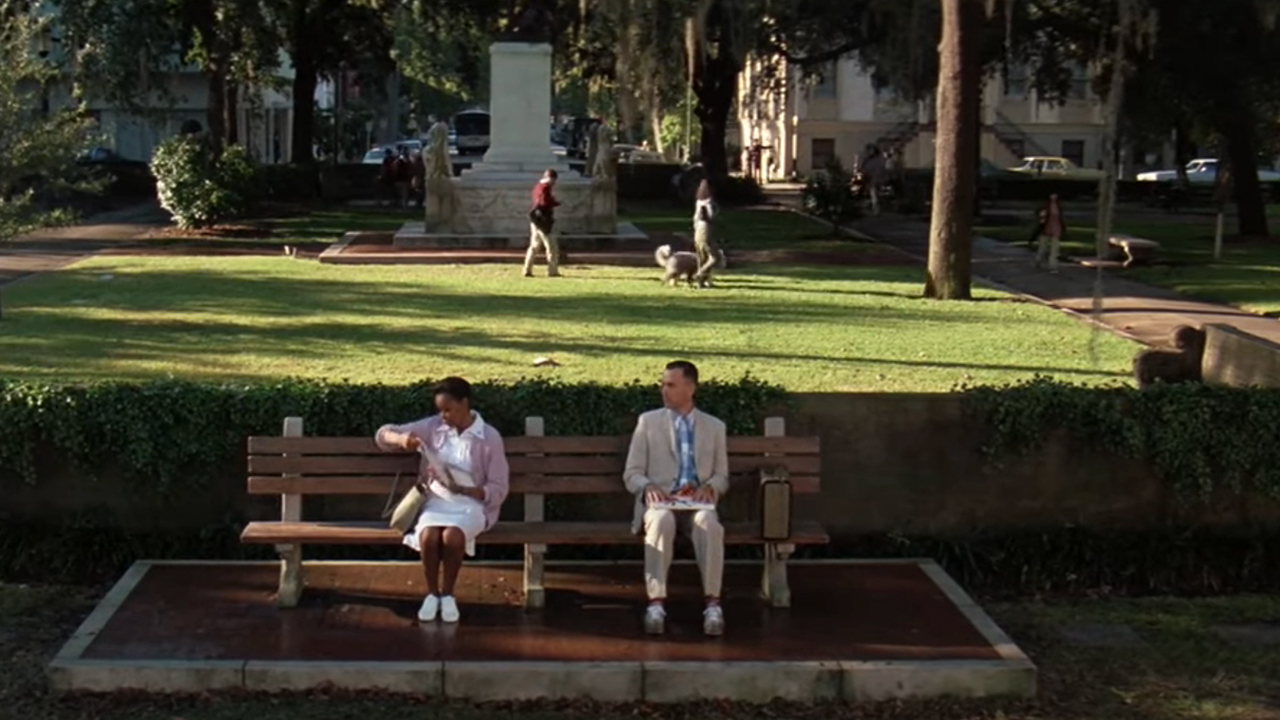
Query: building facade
[(802, 124)]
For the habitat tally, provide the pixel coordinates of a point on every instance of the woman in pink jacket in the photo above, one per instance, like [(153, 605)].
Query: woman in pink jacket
[(454, 513)]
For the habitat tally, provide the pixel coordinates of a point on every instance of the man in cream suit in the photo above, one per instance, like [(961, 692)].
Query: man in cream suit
[(679, 449)]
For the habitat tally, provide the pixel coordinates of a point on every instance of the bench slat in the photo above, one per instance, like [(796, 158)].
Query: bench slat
[(512, 533), (390, 464), (547, 485), (521, 445)]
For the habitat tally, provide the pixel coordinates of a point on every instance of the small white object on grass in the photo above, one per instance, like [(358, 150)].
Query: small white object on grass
[(106, 278), (545, 362)]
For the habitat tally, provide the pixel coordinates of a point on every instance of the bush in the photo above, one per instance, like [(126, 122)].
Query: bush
[(290, 183), (201, 188), (163, 435), (1201, 439), (829, 195)]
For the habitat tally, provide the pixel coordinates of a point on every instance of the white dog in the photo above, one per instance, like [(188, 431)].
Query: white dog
[(685, 264)]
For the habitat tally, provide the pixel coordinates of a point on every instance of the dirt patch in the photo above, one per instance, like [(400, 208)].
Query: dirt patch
[(236, 230)]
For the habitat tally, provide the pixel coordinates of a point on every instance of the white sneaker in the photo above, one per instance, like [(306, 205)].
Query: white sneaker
[(713, 620), (430, 607), (655, 620), (449, 609)]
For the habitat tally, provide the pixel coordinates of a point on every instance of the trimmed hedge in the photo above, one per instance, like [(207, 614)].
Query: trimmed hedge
[(163, 435), (1200, 438)]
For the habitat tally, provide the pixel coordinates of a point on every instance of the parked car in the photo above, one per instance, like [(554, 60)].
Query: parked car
[(636, 154), (1203, 171), (471, 130), (375, 154), (1055, 168)]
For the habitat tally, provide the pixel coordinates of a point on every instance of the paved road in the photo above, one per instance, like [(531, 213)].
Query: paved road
[(54, 248)]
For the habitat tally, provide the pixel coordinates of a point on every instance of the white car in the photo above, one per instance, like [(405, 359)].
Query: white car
[(1203, 171)]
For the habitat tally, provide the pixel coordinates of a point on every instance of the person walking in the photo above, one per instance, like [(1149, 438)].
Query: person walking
[(1049, 234), (704, 243), (542, 225)]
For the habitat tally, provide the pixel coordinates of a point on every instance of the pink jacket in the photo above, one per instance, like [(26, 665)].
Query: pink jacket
[(489, 457)]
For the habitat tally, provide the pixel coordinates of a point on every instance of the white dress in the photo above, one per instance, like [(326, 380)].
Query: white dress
[(446, 509)]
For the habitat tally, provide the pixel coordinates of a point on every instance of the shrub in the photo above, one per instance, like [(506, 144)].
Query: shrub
[(829, 195), (290, 183), (201, 188)]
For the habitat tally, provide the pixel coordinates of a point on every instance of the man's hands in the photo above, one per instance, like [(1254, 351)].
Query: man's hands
[(654, 494), (705, 494)]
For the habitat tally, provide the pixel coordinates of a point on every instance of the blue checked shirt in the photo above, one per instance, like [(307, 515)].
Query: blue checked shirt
[(684, 449)]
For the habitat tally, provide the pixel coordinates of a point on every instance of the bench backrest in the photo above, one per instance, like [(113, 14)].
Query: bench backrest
[(550, 465)]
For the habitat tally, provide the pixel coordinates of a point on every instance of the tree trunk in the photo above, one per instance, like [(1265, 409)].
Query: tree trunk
[(1237, 131), (216, 114), (232, 110), (955, 175), (302, 55), (715, 83), (1115, 100), (304, 106)]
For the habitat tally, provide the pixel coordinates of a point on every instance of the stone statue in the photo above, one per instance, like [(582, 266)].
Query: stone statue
[(438, 165), (602, 164), (532, 24)]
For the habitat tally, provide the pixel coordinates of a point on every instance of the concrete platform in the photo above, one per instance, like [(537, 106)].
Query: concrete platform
[(857, 631), (412, 246), (415, 235)]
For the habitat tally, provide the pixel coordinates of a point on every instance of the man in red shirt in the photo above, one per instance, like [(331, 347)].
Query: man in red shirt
[(542, 225)]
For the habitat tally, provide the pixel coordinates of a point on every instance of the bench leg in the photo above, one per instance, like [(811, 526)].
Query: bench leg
[(290, 575), (534, 594), (773, 586)]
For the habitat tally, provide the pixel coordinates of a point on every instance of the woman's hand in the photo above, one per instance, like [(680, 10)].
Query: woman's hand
[(410, 442)]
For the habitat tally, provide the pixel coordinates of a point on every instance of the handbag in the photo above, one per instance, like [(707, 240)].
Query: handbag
[(775, 504), (405, 514)]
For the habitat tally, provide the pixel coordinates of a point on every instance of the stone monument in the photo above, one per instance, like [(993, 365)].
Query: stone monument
[(491, 199), (441, 195)]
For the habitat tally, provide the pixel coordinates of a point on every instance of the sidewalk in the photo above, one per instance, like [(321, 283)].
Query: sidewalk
[(1147, 314), (54, 248)]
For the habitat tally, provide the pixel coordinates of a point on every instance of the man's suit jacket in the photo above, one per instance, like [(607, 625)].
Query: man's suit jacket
[(653, 458)]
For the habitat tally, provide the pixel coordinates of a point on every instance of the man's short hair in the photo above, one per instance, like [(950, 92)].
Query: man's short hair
[(454, 387), (551, 173), (689, 370)]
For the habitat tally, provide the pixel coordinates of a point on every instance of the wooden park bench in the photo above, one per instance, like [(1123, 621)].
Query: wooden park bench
[(1135, 249), (293, 466)]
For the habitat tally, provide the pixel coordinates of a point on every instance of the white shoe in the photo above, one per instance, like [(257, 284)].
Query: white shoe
[(655, 620), (430, 606), (713, 620), (449, 609)]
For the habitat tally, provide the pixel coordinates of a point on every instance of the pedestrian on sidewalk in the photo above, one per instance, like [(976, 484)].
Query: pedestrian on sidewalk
[(704, 240), (542, 222), (1050, 229)]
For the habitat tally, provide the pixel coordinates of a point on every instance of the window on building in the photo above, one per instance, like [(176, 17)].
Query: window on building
[(823, 152), (1017, 81), (1073, 150), (1079, 84), (824, 84)]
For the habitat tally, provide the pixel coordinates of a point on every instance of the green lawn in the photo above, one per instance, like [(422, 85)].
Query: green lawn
[(808, 328), (1247, 276), (1183, 670)]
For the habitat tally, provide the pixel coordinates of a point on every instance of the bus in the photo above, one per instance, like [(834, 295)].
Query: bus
[(472, 128)]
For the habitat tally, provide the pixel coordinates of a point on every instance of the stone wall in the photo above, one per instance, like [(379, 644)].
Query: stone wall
[(1237, 358)]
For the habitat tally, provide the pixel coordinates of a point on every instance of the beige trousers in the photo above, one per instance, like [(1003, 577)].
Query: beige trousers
[(549, 245), (704, 529), (1047, 250)]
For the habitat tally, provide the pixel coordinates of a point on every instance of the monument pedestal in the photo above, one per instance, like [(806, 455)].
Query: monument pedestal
[(493, 197)]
